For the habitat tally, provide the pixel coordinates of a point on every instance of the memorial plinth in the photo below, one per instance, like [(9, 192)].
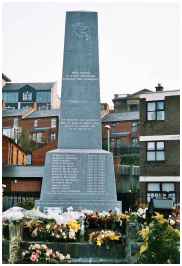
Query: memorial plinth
[(79, 173)]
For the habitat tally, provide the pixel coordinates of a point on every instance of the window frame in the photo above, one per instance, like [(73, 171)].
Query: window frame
[(161, 192), (156, 110), (35, 123), (155, 151), (53, 122), (53, 133), (29, 96)]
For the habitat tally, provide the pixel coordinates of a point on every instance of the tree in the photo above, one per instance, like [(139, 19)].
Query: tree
[(25, 141)]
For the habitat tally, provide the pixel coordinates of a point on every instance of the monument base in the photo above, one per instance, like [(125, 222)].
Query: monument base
[(80, 178)]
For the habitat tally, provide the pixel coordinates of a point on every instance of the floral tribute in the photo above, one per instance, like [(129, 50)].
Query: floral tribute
[(52, 231), (104, 236), (160, 242), (107, 220), (42, 254)]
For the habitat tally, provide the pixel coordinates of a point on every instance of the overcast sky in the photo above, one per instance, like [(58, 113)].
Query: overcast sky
[(138, 44)]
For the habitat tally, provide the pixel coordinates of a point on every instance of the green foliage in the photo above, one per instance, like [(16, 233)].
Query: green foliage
[(130, 159), (28, 204), (161, 242), (25, 141)]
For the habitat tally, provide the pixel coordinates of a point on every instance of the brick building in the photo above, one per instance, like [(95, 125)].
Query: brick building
[(12, 154), (24, 95), (128, 102), (42, 127), (160, 144)]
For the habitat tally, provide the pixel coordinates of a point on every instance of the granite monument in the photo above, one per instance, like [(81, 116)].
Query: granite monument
[(79, 173)]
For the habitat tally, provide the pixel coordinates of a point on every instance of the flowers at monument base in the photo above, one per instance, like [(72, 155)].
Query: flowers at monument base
[(13, 214), (160, 242), (74, 225), (37, 253), (104, 236), (107, 220)]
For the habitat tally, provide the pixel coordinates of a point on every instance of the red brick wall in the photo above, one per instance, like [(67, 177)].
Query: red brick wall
[(7, 122), (38, 156), (26, 186), (119, 127), (11, 153)]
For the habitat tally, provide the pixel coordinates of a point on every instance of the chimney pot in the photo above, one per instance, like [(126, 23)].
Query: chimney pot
[(159, 87)]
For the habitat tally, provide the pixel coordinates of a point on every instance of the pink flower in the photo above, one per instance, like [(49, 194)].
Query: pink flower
[(34, 257)]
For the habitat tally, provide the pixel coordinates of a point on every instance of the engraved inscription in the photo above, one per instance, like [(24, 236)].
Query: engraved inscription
[(80, 30), (75, 75), (96, 177), (65, 173), (79, 124)]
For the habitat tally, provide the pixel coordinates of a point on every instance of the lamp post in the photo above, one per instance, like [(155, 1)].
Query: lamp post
[(108, 127)]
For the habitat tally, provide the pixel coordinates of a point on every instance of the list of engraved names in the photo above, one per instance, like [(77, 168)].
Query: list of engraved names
[(65, 173)]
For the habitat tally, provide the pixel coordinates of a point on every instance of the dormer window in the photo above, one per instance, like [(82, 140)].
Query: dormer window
[(27, 96)]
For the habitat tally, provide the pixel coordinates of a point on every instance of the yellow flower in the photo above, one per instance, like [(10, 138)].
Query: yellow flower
[(143, 247), (99, 243), (125, 216), (144, 233), (74, 225), (160, 218)]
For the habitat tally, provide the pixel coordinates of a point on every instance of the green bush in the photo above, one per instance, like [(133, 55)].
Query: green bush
[(161, 242), (28, 204)]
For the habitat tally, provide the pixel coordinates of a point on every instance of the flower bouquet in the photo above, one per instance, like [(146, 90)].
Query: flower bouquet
[(104, 237), (61, 232), (42, 254), (51, 231), (106, 221)]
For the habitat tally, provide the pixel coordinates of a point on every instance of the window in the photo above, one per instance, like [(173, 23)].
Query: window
[(155, 151), (27, 96), (7, 132), (29, 159), (161, 191), (43, 96), (134, 126), (53, 123), (133, 107), (35, 124), (10, 97), (34, 136), (155, 110), (134, 141), (15, 123), (168, 187), (53, 135), (153, 186), (43, 106), (37, 137)]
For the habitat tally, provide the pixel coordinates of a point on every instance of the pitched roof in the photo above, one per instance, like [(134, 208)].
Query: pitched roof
[(44, 113), (35, 85), (119, 117), (36, 114), (5, 78)]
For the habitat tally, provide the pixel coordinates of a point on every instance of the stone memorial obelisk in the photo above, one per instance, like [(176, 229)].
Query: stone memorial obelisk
[(79, 173)]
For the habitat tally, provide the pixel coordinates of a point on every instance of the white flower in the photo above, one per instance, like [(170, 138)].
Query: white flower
[(43, 246), (37, 246), (72, 234), (61, 256), (69, 209), (13, 214), (68, 257)]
